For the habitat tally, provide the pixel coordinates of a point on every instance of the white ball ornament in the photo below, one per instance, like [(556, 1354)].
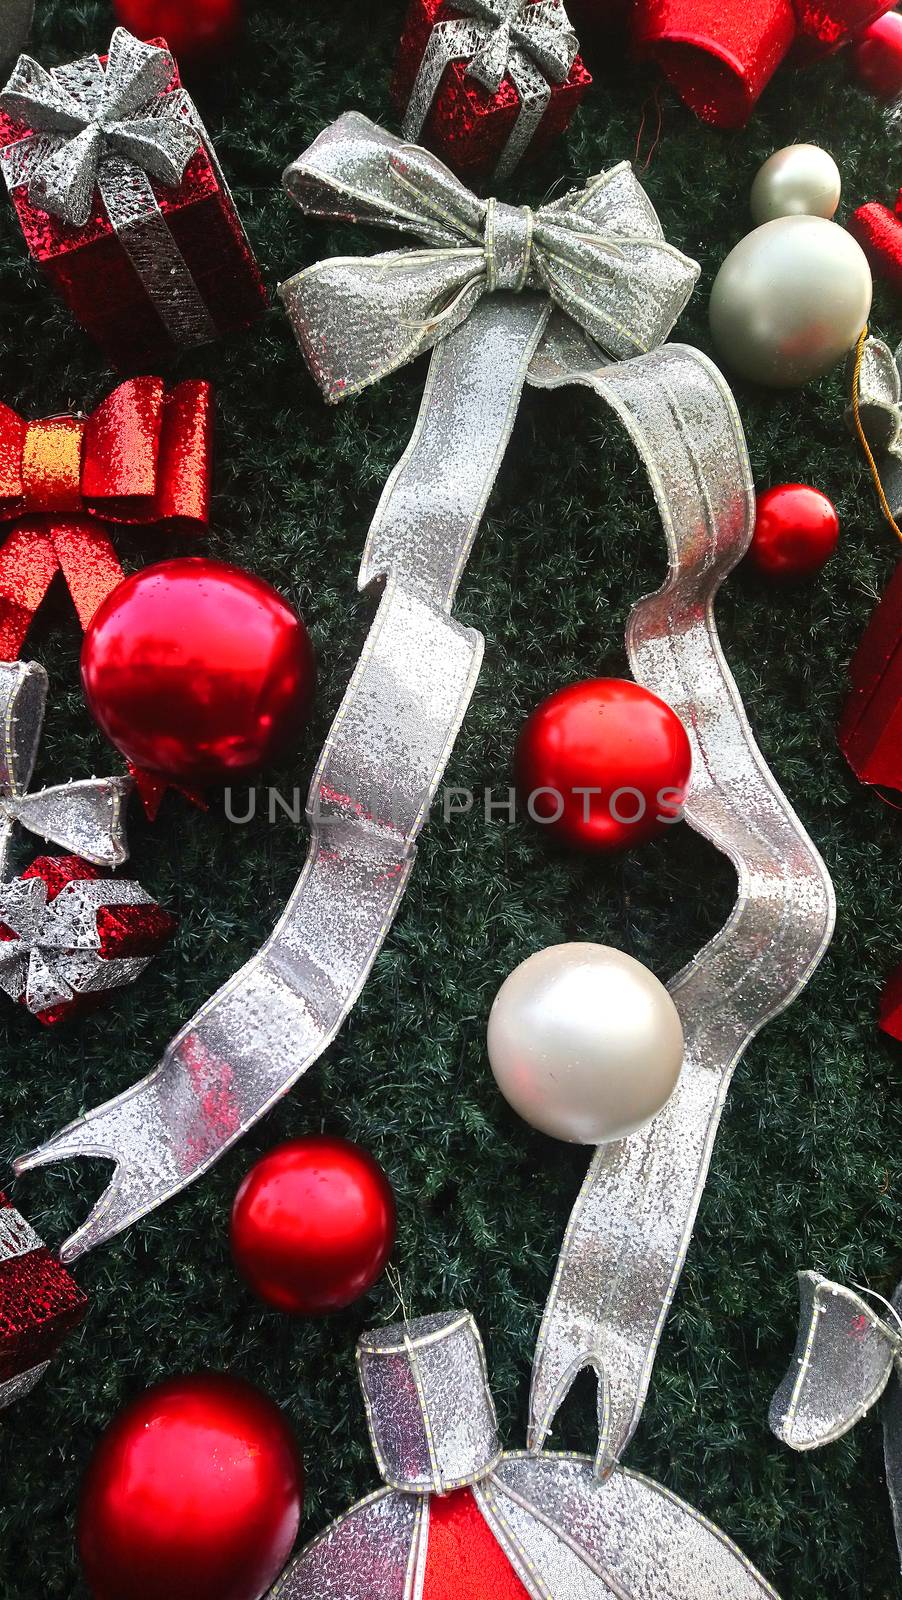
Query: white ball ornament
[(790, 301), (801, 180), (585, 1043)]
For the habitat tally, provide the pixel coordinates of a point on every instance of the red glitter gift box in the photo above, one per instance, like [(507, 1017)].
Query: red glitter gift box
[(870, 728), (484, 88), (39, 1302), (62, 950), (157, 259)]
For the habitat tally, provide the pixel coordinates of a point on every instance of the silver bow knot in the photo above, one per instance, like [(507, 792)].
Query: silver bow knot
[(598, 253), (56, 952), (532, 43), (86, 817), (880, 414), (98, 128)]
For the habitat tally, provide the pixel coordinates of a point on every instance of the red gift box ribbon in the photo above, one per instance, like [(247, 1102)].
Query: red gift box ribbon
[(143, 457), (720, 54)]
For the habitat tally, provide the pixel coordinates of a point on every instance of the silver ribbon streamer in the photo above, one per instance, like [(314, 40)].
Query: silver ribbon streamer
[(86, 817), (598, 253), (533, 44), (15, 26), (56, 954), (629, 1232), (880, 413), (113, 129), (432, 1424), (845, 1357)]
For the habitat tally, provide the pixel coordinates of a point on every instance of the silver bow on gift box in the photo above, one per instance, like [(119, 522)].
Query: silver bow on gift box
[(880, 414), (15, 24), (112, 129), (86, 816), (532, 44), (433, 1430), (598, 254), (56, 954)]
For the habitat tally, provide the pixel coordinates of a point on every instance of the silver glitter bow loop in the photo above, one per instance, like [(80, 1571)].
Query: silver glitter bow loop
[(531, 43), (880, 414), (598, 253), (86, 118), (86, 817), (844, 1358), (56, 953)]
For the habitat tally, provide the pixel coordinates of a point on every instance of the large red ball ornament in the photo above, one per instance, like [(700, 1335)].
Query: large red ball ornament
[(193, 1493), (796, 531), (877, 56), (313, 1225), (603, 764), (193, 29), (197, 671)]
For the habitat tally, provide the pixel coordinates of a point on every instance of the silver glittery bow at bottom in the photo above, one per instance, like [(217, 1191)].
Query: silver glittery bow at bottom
[(15, 26), (847, 1355), (86, 816), (880, 414), (433, 1429)]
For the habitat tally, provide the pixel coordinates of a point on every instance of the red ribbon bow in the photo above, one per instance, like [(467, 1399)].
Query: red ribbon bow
[(143, 457), (719, 54)]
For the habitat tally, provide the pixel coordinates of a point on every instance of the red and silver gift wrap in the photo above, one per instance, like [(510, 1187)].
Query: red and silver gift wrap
[(719, 55), (39, 1305), (123, 203), (68, 935), (486, 82), (144, 456), (870, 729)]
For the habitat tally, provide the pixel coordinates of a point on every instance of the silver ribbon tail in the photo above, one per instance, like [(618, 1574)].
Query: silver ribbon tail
[(369, 797), (629, 1232), (880, 414)]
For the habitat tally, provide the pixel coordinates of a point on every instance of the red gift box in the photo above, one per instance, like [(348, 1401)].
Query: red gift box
[(74, 954), (472, 128), (39, 1302), (91, 268), (870, 728)]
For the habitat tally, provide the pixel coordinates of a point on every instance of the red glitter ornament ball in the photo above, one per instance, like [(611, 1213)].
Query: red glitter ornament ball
[(193, 1493), (313, 1225), (197, 671), (796, 531), (877, 56), (192, 29), (613, 738)]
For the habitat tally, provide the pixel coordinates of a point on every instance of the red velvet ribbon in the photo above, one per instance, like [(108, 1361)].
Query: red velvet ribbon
[(143, 457), (719, 54)]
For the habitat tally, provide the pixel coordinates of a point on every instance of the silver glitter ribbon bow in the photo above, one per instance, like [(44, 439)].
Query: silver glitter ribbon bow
[(15, 26), (382, 763), (433, 1429), (599, 254), (112, 129), (531, 43), (845, 1358), (86, 817), (56, 954), (880, 414)]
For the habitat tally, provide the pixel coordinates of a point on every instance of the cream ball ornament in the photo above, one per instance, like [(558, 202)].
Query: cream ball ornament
[(790, 301), (585, 1043), (802, 180)]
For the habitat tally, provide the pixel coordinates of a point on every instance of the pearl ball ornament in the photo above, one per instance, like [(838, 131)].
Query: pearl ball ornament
[(790, 301), (585, 1043), (802, 180)]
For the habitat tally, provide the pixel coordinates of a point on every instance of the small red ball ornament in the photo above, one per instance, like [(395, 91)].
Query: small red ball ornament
[(197, 671), (313, 1225), (193, 1493), (796, 531), (604, 764), (877, 56), (193, 29)]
